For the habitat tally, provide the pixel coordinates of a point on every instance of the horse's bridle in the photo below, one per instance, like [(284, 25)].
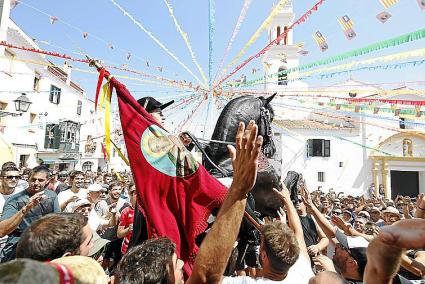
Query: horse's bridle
[(264, 123)]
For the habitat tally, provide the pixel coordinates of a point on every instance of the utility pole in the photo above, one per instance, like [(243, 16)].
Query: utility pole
[(4, 22)]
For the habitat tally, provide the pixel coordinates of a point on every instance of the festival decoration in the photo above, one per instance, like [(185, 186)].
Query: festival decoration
[(211, 31), (396, 41), (388, 3), (383, 17), (13, 4), (128, 56), (241, 18), (85, 34), (321, 41), (300, 20), (155, 39), (53, 19), (185, 38), (421, 4), (275, 11), (347, 25)]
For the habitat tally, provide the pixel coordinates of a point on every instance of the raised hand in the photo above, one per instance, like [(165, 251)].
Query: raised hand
[(409, 234), (245, 157)]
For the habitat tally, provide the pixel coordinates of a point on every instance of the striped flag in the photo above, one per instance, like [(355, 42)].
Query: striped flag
[(388, 3), (347, 25), (320, 40)]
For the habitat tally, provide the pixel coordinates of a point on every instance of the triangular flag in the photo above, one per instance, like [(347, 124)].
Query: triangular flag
[(347, 25), (53, 19), (383, 17), (128, 56), (388, 3)]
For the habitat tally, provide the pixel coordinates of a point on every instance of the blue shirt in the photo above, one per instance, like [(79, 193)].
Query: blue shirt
[(13, 205)]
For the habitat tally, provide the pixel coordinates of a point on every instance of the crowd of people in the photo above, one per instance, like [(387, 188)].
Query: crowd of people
[(60, 227)]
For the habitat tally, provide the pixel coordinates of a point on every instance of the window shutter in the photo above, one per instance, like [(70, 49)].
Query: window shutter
[(326, 148), (51, 94), (57, 134), (309, 148), (46, 136)]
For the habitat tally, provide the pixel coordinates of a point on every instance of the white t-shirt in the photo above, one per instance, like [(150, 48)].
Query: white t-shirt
[(67, 194), (299, 273), (95, 222)]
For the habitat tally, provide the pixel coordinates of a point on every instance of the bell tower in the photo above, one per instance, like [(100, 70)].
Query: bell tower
[(283, 55)]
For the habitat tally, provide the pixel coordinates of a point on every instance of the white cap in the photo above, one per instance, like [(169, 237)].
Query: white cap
[(79, 203), (95, 187)]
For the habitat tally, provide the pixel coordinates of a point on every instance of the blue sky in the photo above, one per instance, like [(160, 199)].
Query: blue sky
[(103, 19)]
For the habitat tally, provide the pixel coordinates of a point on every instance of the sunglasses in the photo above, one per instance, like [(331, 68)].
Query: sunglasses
[(12, 177)]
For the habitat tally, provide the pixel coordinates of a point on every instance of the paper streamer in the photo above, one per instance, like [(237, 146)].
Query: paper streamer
[(386, 58), (302, 19), (276, 10), (186, 40), (211, 24), (241, 18), (156, 40)]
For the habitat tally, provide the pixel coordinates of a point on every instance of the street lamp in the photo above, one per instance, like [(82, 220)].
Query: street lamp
[(22, 103)]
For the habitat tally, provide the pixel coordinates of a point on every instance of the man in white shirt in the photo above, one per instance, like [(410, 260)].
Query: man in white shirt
[(68, 197)]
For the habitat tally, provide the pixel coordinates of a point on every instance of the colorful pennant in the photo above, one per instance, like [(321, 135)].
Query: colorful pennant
[(388, 3), (321, 41), (383, 17), (347, 25)]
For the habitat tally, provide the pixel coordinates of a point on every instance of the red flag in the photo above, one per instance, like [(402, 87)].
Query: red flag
[(177, 194), (105, 156)]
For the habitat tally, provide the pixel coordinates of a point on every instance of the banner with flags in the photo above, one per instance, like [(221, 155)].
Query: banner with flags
[(388, 3), (347, 25), (175, 193), (321, 41)]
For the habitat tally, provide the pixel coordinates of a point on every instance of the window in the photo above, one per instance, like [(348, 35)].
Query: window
[(278, 34), (282, 76), (36, 85), (321, 176), (87, 166), (23, 160), (52, 138), (79, 107), (55, 95), (402, 123), (318, 148)]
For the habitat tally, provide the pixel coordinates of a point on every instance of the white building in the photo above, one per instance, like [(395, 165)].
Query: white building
[(342, 146), (60, 119)]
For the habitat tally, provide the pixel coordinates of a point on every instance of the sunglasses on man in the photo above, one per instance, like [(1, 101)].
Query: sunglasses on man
[(12, 177)]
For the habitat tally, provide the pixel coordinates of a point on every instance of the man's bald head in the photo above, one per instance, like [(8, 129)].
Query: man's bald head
[(327, 277)]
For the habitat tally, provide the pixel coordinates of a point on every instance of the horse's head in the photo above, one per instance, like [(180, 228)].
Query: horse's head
[(264, 126)]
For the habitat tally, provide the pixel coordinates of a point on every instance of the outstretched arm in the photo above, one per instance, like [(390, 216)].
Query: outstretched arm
[(218, 244)]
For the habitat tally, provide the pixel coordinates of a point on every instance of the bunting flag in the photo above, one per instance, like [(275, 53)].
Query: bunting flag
[(418, 111), (147, 63), (110, 46), (300, 45), (13, 4), (383, 17), (53, 19), (128, 56), (321, 41), (421, 4), (388, 3), (347, 25), (375, 110), (175, 193), (85, 34), (303, 52)]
